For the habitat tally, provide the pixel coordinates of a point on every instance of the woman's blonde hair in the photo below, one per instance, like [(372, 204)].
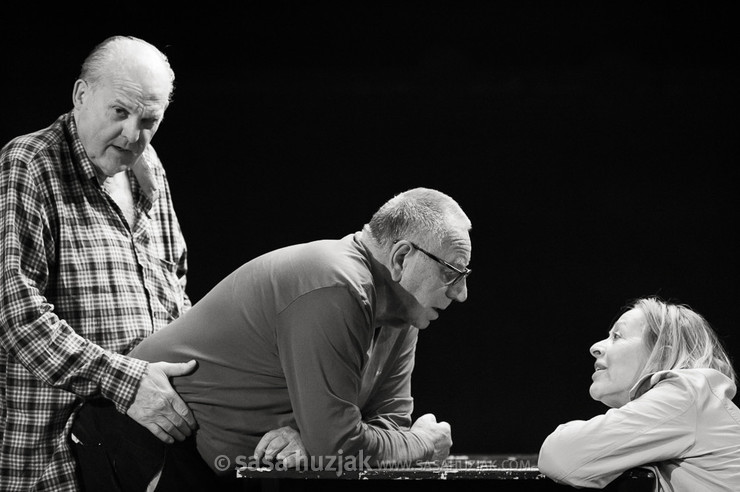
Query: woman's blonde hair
[(680, 338)]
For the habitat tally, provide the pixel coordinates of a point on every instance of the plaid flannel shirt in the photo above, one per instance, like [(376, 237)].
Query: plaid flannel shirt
[(79, 288)]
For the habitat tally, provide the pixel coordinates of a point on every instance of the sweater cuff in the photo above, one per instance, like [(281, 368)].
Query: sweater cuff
[(420, 449)]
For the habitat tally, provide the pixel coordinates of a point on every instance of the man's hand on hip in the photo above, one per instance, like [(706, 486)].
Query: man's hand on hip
[(158, 407)]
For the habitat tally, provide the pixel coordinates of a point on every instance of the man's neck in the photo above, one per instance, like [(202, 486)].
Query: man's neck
[(388, 293), (119, 189)]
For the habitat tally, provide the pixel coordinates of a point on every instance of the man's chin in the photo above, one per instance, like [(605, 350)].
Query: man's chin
[(402, 325), (118, 158), (111, 168)]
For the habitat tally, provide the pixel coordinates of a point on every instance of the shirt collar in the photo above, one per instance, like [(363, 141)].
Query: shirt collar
[(78, 151), (647, 381), (146, 178)]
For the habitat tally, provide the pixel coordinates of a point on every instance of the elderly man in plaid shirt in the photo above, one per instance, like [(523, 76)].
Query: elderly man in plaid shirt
[(92, 261)]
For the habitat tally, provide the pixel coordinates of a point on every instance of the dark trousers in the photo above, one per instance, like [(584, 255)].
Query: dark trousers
[(117, 454)]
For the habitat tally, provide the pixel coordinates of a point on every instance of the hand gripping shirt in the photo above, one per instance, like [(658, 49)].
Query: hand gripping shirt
[(290, 338), (684, 426), (79, 288)]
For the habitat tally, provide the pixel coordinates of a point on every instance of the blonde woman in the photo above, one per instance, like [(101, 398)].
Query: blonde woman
[(670, 385)]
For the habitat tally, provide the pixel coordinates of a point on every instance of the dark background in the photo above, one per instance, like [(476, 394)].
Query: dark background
[(593, 147)]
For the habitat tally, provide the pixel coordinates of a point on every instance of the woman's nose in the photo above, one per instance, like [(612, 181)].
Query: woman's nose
[(597, 349)]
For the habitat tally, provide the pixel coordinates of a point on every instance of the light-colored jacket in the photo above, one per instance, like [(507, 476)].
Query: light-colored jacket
[(684, 426)]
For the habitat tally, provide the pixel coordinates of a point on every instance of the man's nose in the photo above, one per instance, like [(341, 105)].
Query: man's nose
[(132, 130), (458, 291)]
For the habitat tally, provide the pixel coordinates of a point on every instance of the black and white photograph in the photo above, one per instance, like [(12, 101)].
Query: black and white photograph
[(373, 245)]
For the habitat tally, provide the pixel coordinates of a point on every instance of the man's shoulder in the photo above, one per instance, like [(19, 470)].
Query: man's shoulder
[(301, 268), (35, 148), (339, 260)]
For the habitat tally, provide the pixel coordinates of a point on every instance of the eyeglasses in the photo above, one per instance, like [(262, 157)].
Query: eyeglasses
[(461, 274)]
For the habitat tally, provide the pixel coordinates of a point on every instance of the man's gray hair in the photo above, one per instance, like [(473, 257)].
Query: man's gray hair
[(96, 65), (423, 215)]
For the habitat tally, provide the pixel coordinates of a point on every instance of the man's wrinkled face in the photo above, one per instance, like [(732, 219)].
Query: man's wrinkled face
[(428, 282), (118, 116)]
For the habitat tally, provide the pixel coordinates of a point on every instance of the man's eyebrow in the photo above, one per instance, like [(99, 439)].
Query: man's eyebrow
[(120, 102), (146, 112)]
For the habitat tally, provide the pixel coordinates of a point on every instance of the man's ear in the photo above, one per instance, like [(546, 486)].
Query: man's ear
[(80, 92), (398, 254)]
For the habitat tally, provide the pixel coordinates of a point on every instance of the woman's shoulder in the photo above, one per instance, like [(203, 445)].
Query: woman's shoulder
[(697, 381)]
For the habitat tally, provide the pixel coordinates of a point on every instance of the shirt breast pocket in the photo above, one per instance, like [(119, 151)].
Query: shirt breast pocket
[(169, 290)]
